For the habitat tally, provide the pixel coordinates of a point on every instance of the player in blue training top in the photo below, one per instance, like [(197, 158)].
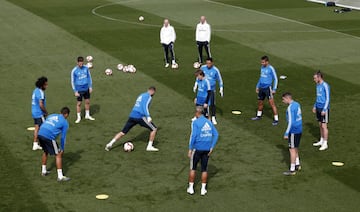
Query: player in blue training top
[(321, 109), (212, 74), (203, 139), (81, 83), (139, 115), (203, 91), (293, 132), (266, 88), (54, 125), (38, 107)]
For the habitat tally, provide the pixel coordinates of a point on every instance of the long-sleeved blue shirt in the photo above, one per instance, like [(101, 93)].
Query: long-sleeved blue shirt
[(213, 75), (37, 96), (202, 92), (204, 135), (141, 107), (267, 77), (53, 126), (294, 119), (81, 78), (322, 96)]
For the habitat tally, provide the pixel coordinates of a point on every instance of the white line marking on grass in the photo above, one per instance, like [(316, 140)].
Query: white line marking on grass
[(281, 18)]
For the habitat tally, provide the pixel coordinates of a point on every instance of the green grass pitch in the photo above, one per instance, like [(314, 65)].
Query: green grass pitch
[(43, 37)]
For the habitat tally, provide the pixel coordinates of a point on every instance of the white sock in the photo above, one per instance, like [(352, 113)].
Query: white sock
[(43, 169), (150, 143), (79, 115), (324, 142), (87, 113), (112, 142), (297, 161), (321, 139), (259, 113), (276, 117), (292, 167), (203, 185), (60, 174), (191, 185)]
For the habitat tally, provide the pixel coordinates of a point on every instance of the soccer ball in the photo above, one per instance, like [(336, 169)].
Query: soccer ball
[(141, 18), (125, 69), (196, 65), (108, 72), (89, 65), (175, 66), (89, 58), (128, 146), (131, 69), (120, 67)]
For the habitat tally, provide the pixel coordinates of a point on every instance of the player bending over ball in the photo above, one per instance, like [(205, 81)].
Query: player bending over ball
[(54, 125), (203, 139), (38, 108), (139, 115), (264, 90), (293, 132)]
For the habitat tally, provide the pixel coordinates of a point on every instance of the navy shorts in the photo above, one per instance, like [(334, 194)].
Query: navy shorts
[(39, 121), (265, 93), (321, 118), (83, 94), (197, 156), (49, 146), (141, 121), (294, 140)]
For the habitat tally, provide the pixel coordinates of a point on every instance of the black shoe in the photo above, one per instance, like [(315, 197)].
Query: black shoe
[(256, 118), (298, 167), (275, 123), (289, 173)]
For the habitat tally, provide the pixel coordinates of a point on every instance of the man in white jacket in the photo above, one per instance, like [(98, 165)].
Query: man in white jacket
[(167, 39), (202, 36)]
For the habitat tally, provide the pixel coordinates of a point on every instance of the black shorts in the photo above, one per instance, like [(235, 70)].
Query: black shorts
[(49, 146), (83, 94), (294, 140), (196, 157), (321, 118), (141, 121), (265, 93), (39, 121)]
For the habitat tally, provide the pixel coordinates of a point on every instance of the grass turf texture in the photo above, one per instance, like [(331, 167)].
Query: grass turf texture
[(245, 170)]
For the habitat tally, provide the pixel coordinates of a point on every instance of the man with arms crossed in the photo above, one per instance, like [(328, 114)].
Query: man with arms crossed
[(202, 37), (167, 40), (203, 139), (321, 109), (139, 115), (293, 132), (54, 125)]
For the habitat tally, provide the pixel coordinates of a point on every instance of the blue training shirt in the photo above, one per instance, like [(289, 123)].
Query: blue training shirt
[(267, 77), (204, 135), (202, 92), (53, 126), (322, 96), (141, 107), (294, 119), (36, 97), (213, 75), (81, 78)]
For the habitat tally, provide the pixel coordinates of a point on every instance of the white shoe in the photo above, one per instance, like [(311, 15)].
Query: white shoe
[(89, 118), (323, 147), (151, 149), (36, 146), (319, 143), (203, 192), (213, 119), (167, 65), (77, 120), (190, 190), (108, 147)]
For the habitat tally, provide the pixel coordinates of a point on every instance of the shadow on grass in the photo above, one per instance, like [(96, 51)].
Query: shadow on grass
[(68, 159), (313, 128), (285, 153), (349, 176)]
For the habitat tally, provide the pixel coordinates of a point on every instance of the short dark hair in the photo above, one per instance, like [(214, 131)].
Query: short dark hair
[(41, 82), (266, 58), (209, 59), (80, 59), (199, 72), (319, 74), (287, 94), (152, 88), (65, 110)]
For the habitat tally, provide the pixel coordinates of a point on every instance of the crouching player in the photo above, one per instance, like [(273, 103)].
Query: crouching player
[(293, 132), (49, 130)]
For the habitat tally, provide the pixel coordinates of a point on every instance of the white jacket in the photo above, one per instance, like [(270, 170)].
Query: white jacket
[(203, 32), (167, 35)]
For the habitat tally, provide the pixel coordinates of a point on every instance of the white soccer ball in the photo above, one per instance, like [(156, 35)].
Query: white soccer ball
[(89, 65), (174, 66), (89, 58), (128, 146), (131, 68), (120, 67), (196, 65), (141, 18), (125, 69), (108, 72)]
